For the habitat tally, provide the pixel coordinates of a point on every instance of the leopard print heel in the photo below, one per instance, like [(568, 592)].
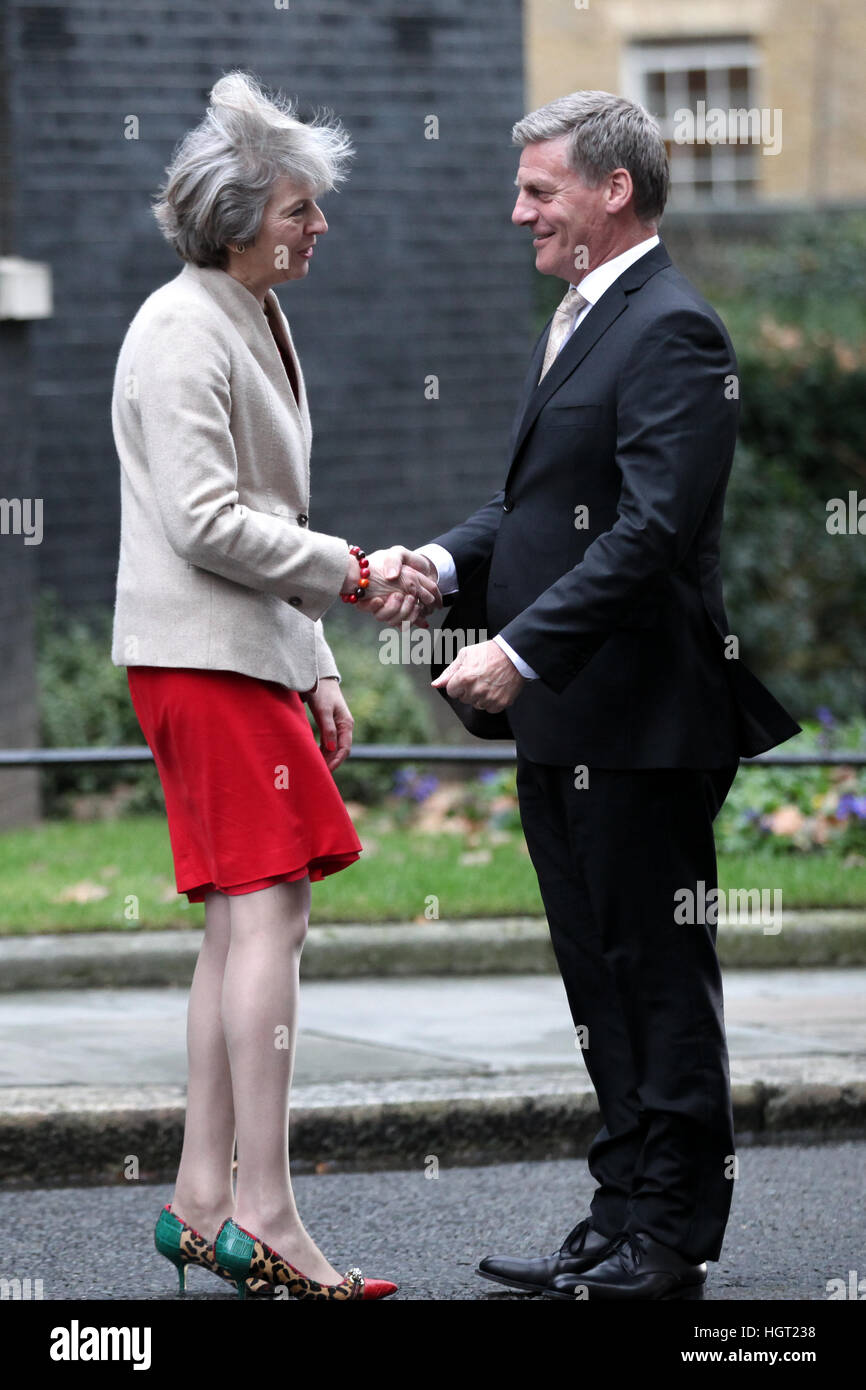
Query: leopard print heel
[(249, 1258), (183, 1245)]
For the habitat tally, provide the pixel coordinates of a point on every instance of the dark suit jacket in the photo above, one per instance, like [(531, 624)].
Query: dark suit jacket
[(621, 614)]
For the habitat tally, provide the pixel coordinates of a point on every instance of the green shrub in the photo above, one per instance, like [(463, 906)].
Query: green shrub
[(800, 810), (385, 703), (810, 271), (794, 594), (84, 702)]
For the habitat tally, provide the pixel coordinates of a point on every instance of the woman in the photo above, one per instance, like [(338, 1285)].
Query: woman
[(221, 587)]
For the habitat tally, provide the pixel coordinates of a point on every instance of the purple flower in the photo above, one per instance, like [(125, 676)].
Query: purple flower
[(407, 783), (850, 805), (424, 787), (825, 717), (403, 780), (488, 775)]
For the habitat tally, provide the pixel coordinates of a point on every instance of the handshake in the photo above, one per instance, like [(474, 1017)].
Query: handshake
[(402, 586)]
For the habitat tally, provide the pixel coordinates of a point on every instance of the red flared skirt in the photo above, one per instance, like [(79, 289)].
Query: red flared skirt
[(249, 798)]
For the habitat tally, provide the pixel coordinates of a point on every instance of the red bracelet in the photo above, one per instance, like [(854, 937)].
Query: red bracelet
[(357, 595)]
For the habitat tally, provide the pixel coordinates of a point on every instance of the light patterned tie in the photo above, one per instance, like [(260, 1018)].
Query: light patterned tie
[(562, 325)]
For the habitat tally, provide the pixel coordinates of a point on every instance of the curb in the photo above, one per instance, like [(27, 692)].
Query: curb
[(93, 1141), (503, 946)]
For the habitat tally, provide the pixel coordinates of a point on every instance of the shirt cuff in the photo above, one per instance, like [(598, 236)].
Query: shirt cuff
[(526, 671), (446, 570)]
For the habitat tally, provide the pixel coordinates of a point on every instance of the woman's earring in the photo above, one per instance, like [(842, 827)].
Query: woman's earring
[(240, 248)]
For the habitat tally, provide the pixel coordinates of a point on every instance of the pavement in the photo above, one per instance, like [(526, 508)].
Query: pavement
[(460, 1060)]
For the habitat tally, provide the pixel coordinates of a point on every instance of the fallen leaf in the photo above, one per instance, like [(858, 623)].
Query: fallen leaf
[(84, 892), (476, 856), (786, 821)]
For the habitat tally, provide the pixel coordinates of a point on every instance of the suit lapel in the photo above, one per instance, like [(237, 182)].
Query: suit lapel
[(597, 322), (530, 382), (599, 319)]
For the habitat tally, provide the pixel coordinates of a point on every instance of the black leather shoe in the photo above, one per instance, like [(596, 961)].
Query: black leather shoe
[(637, 1267), (581, 1248)]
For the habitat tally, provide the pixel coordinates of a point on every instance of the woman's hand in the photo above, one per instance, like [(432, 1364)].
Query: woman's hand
[(335, 722), (403, 587)]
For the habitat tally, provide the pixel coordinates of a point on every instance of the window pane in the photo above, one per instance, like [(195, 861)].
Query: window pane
[(697, 85), (738, 82), (743, 161), (682, 167), (655, 93)]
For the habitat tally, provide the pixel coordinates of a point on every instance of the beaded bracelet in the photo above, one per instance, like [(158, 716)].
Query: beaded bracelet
[(359, 594)]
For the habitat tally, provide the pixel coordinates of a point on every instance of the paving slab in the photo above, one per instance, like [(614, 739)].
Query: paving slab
[(373, 1030)]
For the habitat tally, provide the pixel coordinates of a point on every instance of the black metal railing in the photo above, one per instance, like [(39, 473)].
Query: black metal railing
[(499, 754)]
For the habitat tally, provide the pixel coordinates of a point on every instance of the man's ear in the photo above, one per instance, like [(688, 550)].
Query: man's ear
[(620, 190)]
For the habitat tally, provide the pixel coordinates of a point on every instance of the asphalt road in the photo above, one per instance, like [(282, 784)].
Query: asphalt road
[(798, 1221)]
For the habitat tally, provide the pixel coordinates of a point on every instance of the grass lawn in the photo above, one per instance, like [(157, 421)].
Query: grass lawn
[(104, 875)]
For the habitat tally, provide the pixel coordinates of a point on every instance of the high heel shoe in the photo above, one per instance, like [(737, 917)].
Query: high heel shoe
[(248, 1257), (183, 1245)]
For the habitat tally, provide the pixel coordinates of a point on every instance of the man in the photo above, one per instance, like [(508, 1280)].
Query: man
[(597, 567)]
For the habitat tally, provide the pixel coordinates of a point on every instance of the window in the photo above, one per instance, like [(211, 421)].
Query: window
[(714, 162)]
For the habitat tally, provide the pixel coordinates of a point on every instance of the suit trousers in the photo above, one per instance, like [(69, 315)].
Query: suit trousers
[(645, 991)]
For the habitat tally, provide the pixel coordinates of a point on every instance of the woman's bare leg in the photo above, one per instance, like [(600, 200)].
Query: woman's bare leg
[(203, 1190), (259, 1016)]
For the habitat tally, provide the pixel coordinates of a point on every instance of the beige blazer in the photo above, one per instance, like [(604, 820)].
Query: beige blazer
[(218, 566)]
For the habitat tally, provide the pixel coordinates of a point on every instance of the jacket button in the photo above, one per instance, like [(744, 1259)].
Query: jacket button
[(508, 504), (303, 519), (295, 602)]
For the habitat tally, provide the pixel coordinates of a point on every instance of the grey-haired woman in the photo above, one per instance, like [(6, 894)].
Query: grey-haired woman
[(221, 587)]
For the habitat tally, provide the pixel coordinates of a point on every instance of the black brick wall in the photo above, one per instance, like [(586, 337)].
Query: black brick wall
[(420, 273), (19, 797), (19, 791)]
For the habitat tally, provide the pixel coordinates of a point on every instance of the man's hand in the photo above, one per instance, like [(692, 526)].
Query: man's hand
[(482, 676), (416, 593), (335, 722)]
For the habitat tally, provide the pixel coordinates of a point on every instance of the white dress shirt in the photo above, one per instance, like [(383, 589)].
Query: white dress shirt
[(592, 287)]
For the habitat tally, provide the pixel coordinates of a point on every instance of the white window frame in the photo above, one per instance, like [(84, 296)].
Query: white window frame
[(727, 170)]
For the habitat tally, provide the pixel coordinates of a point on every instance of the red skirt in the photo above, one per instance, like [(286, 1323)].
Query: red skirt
[(249, 798)]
